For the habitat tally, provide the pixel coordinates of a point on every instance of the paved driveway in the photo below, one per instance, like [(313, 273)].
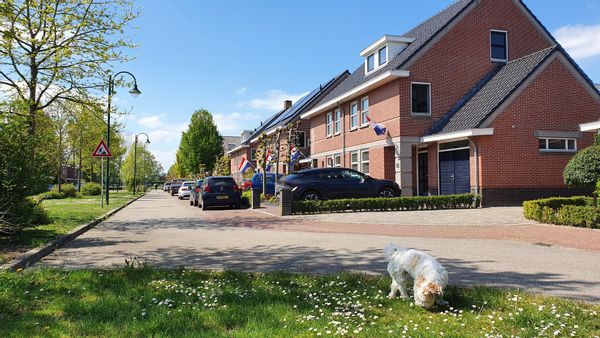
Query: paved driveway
[(167, 232)]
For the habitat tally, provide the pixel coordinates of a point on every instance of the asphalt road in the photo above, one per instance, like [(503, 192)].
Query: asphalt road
[(166, 232)]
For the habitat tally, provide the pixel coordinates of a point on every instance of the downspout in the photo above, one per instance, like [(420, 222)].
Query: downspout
[(476, 154)]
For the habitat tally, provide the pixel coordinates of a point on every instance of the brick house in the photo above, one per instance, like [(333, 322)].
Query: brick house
[(478, 98), (289, 114)]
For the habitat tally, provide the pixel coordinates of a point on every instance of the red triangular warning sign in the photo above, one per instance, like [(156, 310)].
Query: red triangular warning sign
[(101, 150)]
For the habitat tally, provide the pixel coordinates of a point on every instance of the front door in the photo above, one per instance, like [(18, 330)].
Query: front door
[(423, 175), (454, 172)]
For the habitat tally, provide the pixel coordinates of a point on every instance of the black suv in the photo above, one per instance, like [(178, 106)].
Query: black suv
[(176, 184), (336, 183)]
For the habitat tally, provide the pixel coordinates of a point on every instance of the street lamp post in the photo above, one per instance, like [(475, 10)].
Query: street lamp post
[(134, 92), (135, 159)]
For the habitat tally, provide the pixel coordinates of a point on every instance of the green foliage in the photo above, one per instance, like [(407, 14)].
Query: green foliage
[(223, 166), (14, 217), (148, 167), (575, 211), (584, 168), (91, 189), (462, 201), (201, 145), (51, 195), (68, 189)]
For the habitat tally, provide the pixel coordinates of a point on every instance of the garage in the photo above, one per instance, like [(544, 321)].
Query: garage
[(454, 168)]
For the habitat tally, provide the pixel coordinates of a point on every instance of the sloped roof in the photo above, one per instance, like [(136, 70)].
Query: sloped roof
[(422, 33), (490, 93)]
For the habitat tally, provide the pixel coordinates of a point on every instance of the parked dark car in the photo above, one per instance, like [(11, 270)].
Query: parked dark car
[(257, 182), (220, 191), (175, 184), (336, 183), (195, 193)]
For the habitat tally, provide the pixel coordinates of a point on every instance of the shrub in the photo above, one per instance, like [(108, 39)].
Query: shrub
[(51, 195), (16, 216), (544, 210), (462, 201), (245, 202), (68, 190), (91, 189), (579, 216)]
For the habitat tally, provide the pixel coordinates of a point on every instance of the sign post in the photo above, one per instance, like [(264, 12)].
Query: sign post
[(102, 151), (102, 185)]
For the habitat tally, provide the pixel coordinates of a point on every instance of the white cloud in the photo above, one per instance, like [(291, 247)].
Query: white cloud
[(152, 121), (273, 100), (241, 90), (234, 123), (580, 41)]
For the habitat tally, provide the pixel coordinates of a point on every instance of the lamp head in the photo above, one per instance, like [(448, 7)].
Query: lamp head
[(135, 92), (147, 141)]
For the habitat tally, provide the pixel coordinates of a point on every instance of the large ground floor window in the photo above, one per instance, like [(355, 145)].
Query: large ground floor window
[(359, 161)]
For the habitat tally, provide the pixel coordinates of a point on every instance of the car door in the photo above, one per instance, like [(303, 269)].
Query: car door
[(357, 184), (329, 185)]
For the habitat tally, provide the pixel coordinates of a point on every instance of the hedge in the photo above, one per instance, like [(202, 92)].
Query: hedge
[(463, 201), (91, 189), (574, 211)]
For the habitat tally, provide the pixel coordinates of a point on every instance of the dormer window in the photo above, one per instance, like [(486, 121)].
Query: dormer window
[(382, 56), (370, 62)]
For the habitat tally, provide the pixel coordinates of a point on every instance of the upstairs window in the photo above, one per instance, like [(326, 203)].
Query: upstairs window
[(382, 55), (364, 110), (370, 62), (499, 46), (558, 144), (301, 139), (337, 122), (329, 125), (253, 155), (421, 98), (353, 115)]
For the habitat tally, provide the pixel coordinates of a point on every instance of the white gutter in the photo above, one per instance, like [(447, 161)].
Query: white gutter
[(591, 126), (363, 88), (458, 135), (237, 148)]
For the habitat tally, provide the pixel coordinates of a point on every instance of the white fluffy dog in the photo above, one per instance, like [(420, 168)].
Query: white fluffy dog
[(429, 275)]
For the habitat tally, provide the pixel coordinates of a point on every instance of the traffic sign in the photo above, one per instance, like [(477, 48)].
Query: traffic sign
[(101, 150)]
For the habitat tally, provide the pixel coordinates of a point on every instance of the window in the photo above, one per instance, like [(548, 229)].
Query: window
[(421, 99), (353, 115), (301, 139), (364, 110), (364, 162), (370, 62), (329, 125), (337, 121), (499, 46), (354, 160), (230, 146), (329, 161), (382, 55), (337, 160), (252, 154), (558, 144)]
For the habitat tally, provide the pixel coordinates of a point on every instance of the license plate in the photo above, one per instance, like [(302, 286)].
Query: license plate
[(222, 197)]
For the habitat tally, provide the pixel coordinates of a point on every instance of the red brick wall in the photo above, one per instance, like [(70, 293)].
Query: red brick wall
[(554, 101), (462, 58)]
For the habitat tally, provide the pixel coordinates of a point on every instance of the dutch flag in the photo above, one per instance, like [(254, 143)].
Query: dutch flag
[(379, 128), (244, 165), (269, 159), (294, 154)]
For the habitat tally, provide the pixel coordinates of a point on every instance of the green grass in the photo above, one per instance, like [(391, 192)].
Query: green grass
[(65, 214), (142, 302)]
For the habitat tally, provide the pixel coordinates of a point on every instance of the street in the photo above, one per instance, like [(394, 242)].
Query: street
[(166, 232)]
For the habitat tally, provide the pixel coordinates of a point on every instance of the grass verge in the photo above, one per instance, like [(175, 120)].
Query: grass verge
[(140, 302), (65, 214)]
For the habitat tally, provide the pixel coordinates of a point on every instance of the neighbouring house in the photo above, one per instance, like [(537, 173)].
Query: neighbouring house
[(230, 143), (478, 98), (276, 125)]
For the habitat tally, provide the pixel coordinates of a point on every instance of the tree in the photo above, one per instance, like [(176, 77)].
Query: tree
[(223, 166), (59, 49), (584, 168), (148, 168), (200, 145)]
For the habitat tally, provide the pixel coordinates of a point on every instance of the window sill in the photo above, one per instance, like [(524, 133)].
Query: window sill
[(353, 129), (558, 152), (499, 60), (420, 114), (364, 126)]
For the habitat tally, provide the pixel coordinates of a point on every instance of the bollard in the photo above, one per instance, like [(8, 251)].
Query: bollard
[(255, 202), (285, 202)]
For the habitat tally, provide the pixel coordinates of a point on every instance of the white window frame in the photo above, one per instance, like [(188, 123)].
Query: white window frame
[(354, 126), (329, 124), (253, 154), (363, 161), (363, 114), (329, 161), (374, 55), (337, 160), (505, 40), (337, 122), (566, 150), (379, 54), (357, 163), (411, 99)]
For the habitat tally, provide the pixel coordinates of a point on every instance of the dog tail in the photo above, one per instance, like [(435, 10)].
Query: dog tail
[(390, 250)]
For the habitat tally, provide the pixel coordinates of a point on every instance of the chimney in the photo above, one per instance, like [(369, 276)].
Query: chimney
[(287, 104)]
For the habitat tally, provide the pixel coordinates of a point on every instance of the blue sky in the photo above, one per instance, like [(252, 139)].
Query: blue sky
[(241, 59)]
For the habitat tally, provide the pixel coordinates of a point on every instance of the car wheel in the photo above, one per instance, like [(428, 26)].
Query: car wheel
[(203, 205), (387, 193), (311, 196)]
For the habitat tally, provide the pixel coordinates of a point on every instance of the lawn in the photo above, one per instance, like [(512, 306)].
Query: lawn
[(65, 214), (142, 301)]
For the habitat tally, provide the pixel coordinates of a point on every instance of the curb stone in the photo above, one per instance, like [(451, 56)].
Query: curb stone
[(34, 255)]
